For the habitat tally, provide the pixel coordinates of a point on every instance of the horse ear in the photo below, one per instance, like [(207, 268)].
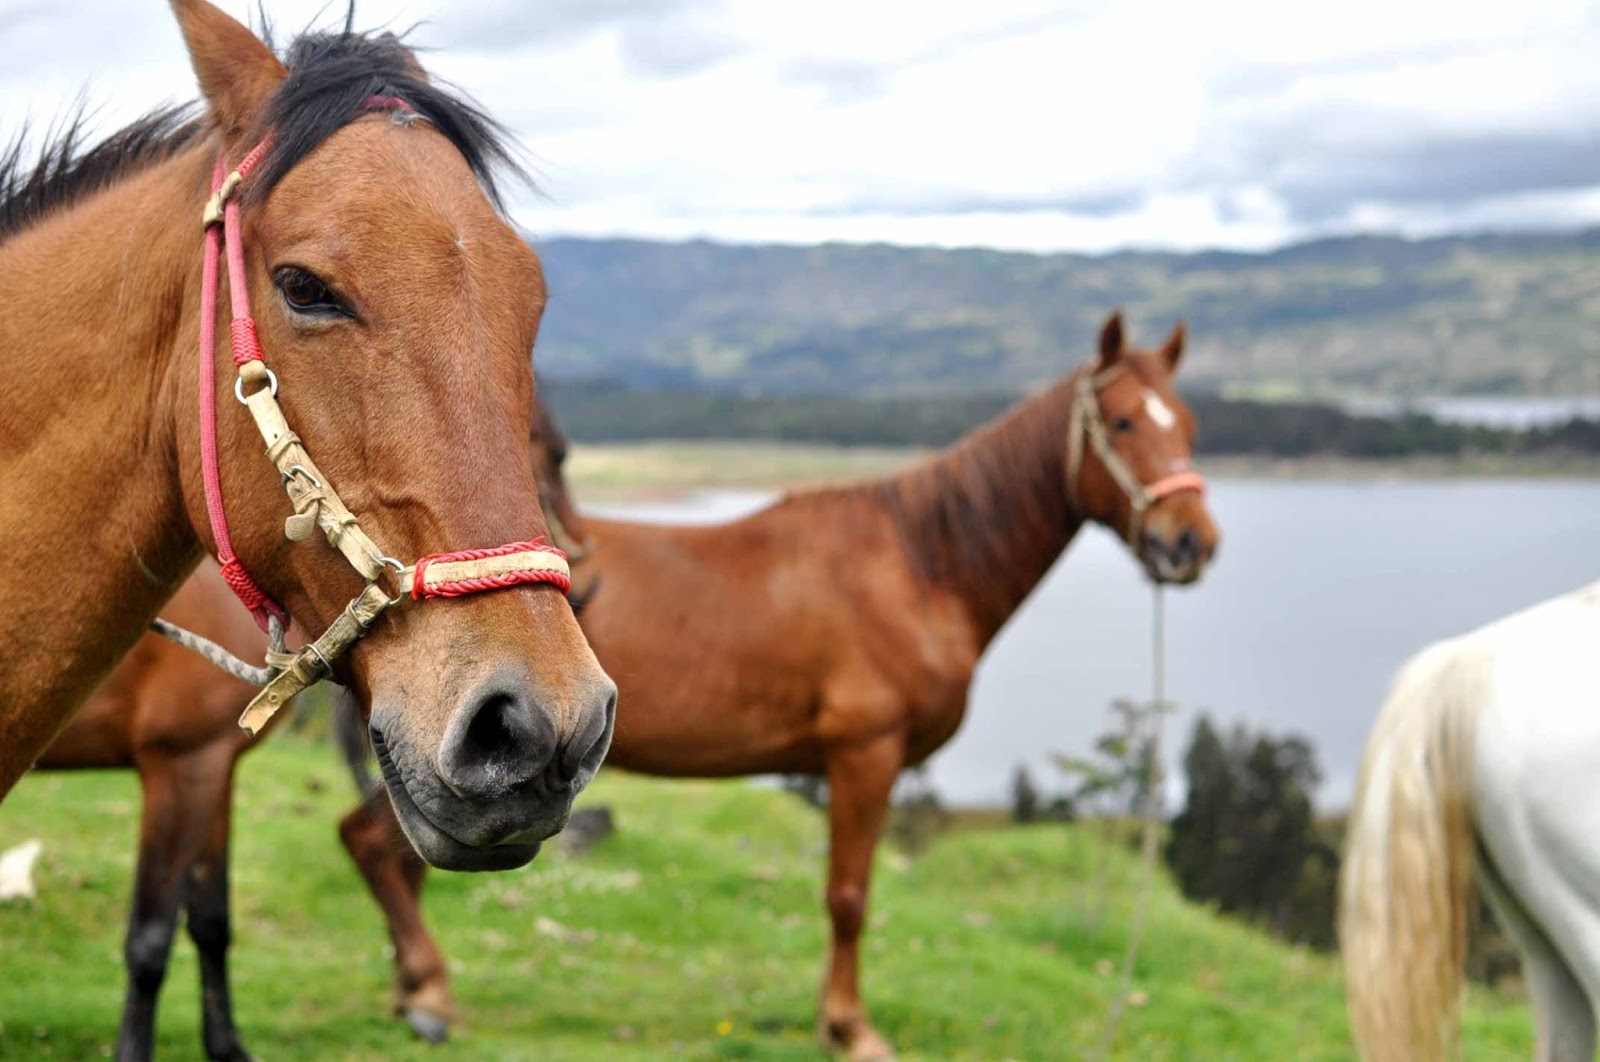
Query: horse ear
[(237, 71), (1111, 339), (1172, 349)]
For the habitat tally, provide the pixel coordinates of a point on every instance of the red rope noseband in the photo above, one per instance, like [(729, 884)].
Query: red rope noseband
[(1175, 484), (421, 589)]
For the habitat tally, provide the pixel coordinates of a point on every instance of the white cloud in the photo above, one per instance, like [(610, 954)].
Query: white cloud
[(1016, 123)]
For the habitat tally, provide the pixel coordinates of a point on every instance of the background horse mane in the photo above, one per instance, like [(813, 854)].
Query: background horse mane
[(331, 76), (965, 514)]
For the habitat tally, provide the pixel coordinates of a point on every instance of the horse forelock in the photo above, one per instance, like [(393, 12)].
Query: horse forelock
[(332, 77)]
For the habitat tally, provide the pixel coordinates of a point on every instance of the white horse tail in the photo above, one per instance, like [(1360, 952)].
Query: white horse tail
[(1406, 892)]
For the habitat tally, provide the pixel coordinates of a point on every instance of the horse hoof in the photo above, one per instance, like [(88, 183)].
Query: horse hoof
[(428, 1025), (856, 1043), (870, 1047), (233, 1052)]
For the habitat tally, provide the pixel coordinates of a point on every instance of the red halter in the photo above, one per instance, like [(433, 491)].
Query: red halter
[(316, 505)]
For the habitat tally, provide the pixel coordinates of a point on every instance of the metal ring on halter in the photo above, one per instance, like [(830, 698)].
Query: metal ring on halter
[(399, 576), (289, 472), (272, 385), (311, 647)]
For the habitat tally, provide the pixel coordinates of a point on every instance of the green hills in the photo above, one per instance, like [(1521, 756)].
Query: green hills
[(1489, 314)]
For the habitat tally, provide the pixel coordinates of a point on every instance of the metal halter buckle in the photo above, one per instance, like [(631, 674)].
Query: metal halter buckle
[(238, 386)]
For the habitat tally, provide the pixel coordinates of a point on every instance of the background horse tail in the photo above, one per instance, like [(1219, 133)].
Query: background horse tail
[(1406, 891), (350, 731)]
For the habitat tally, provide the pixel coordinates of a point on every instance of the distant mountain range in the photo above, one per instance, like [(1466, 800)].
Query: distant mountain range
[(1492, 314)]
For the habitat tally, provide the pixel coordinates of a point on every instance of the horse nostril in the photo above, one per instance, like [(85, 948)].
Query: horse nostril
[(588, 744), (504, 742), (1187, 546)]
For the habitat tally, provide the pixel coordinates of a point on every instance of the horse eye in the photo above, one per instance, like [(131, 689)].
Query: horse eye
[(1122, 424), (305, 292)]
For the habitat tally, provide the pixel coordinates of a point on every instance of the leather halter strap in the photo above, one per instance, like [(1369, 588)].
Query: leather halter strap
[(1086, 423), (316, 505)]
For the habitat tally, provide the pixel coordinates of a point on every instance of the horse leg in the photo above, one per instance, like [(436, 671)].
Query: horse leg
[(860, 778), (394, 873), (1563, 1016), (172, 829), (211, 928)]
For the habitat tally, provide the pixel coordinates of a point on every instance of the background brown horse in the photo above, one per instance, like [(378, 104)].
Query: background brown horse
[(398, 309), (837, 631)]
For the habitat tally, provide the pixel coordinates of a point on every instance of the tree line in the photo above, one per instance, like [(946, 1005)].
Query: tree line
[(610, 411)]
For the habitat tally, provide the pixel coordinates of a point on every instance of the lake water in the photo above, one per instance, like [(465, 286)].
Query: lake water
[(1322, 589)]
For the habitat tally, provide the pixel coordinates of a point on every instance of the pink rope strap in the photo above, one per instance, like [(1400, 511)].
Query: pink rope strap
[(233, 571), (1175, 484), (380, 102), (472, 571)]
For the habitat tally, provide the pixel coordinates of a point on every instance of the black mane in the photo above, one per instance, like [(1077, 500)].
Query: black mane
[(65, 171), (331, 75)]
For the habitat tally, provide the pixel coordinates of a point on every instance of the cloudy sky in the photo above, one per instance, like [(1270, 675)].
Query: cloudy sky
[(1030, 124)]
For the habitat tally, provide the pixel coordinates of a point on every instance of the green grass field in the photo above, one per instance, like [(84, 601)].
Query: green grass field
[(694, 933)]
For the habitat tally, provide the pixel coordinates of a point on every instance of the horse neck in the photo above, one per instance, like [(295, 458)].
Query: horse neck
[(91, 507), (986, 519)]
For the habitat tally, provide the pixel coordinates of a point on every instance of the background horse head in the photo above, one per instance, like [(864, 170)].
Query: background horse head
[(1130, 439), (398, 310)]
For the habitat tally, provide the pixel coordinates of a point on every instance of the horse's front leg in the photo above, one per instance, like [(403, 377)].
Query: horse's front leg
[(394, 873), (860, 778)]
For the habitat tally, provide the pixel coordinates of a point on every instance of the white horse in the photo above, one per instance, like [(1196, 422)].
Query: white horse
[(1484, 764)]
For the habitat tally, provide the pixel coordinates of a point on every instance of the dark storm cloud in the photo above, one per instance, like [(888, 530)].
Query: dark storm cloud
[(1445, 173), (1321, 162)]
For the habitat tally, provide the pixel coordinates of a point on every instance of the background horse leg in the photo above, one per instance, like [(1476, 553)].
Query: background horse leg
[(211, 929), (860, 778), (179, 797), (394, 874)]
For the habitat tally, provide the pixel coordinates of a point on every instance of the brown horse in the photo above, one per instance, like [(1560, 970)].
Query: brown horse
[(837, 631), (398, 309)]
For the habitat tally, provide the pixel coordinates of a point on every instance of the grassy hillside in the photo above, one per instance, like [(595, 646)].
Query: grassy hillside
[(1492, 314), (695, 933)]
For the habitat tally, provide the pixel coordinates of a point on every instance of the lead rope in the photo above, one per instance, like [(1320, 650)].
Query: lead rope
[(216, 654), (1151, 819)]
